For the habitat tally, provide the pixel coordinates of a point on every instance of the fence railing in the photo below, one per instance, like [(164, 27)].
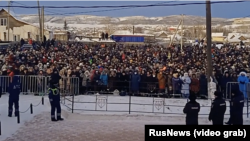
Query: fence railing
[(131, 104), (38, 85)]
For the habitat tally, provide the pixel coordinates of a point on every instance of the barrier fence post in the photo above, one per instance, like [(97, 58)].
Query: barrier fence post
[(18, 117), (42, 100), (129, 104), (0, 128), (31, 108), (247, 108), (73, 97)]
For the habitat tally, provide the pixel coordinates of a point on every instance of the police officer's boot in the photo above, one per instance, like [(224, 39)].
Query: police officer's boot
[(10, 113), (16, 113), (53, 119), (60, 118)]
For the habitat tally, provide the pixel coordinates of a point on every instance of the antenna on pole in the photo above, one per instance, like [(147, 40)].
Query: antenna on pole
[(40, 23), (9, 21)]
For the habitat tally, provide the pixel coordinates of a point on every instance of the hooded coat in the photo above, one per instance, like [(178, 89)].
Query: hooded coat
[(135, 80), (55, 76), (176, 81), (203, 85), (104, 78), (185, 84), (243, 80)]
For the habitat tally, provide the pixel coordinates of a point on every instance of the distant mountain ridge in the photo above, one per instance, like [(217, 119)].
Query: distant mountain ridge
[(135, 20)]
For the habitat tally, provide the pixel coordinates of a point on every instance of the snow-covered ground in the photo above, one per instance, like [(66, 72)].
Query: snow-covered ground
[(9, 125), (117, 105), (92, 125)]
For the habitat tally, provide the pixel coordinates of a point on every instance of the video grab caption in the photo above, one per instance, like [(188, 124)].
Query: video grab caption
[(161, 132)]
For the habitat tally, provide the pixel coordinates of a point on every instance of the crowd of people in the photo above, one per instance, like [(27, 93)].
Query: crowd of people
[(134, 69)]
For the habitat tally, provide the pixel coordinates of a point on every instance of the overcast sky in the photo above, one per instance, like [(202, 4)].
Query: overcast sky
[(225, 10)]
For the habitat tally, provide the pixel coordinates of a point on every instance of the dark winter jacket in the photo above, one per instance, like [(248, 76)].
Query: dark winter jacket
[(135, 80), (218, 110), (54, 94), (203, 85), (224, 81), (176, 84), (192, 110), (237, 108), (15, 88)]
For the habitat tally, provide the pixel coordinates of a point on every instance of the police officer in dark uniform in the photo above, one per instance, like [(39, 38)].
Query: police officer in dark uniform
[(237, 107), (218, 109), (192, 110), (14, 91), (54, 97)]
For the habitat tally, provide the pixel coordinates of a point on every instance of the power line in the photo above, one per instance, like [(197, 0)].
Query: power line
[(68, 14), (72, 13), (124, 6), (44, 10)]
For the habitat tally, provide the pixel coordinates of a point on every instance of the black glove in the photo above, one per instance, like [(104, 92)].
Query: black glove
[(242, 82)]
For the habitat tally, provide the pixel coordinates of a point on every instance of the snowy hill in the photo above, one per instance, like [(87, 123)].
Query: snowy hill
[(89, 19)]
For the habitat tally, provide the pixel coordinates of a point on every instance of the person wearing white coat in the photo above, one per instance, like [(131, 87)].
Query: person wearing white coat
[(185, 85)]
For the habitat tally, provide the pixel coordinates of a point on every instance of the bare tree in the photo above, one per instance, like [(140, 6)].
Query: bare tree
[(65, 27)]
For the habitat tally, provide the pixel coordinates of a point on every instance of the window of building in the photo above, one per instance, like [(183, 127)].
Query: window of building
[(37, 37), (5, 36), (3, 22), (16, 37), (28, 35)]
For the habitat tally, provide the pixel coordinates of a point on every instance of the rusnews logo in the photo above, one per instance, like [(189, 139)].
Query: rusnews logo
[(169, 132)]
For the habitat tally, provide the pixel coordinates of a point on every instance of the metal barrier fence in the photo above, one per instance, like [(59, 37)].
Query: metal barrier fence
[(129, 87), (106, 103), (38, 85), (230, 86)]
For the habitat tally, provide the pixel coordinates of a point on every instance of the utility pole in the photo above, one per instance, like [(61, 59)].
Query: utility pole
[(209, 42), (182, 20), (175, 33), (133, 29), (39, 16), (43, 24), (8, 21)]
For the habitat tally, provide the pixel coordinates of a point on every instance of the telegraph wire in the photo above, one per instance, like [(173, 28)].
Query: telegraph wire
[(73, 13), (124, 6)]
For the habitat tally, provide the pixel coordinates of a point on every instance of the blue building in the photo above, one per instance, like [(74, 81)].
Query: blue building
[(128, 37)]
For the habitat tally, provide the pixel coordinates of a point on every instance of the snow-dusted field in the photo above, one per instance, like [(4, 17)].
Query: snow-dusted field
[(98, 125)]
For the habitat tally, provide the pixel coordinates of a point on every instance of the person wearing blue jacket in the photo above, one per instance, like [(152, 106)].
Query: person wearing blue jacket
[(104, 80), (237, 106), (243, 80), (14, 91), (54, 97)]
